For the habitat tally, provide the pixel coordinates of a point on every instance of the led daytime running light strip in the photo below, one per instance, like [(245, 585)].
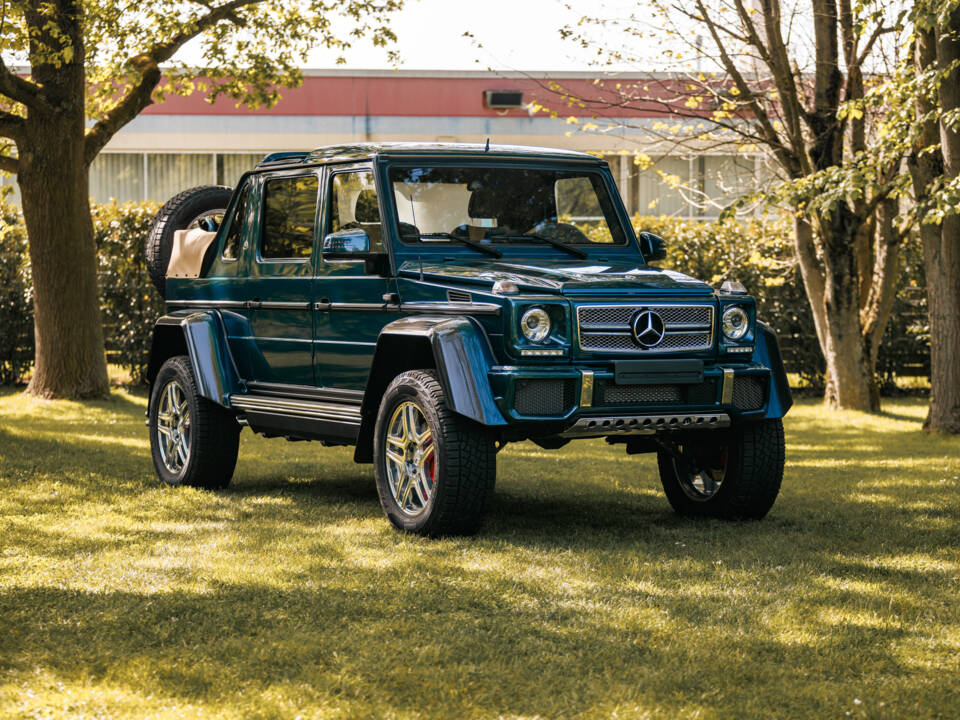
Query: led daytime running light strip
[(529, 353)]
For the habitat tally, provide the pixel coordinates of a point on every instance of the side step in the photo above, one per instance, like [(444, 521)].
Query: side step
[(645, 424), (299, 419)]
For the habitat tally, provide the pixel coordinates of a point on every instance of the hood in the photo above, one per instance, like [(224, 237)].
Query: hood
[(585, 279)]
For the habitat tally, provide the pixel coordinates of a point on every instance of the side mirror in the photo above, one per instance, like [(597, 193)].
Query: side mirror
[(351, 244), (652, 246)]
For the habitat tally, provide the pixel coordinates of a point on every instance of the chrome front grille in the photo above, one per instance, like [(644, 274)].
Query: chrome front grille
[(607, 328)]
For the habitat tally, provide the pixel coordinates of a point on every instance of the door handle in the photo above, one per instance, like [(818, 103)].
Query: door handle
[(252, 304), (323, 305)]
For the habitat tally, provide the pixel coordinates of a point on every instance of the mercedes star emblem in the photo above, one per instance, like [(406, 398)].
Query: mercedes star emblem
[(648, 328)]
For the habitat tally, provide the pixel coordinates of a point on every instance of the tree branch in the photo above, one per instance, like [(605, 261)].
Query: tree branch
[(790, 161), (147, 65), (11, 126), (9, 164), (19, 90)]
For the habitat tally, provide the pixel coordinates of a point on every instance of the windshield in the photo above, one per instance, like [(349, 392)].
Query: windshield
[(504, 205)]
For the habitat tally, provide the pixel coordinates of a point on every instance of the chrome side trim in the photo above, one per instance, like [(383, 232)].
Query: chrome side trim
[(284, 306), (241, 304), (586, 388), (726, 390), (356, 307), (644, 424), (347, 414), (206, 304), (451, 308)]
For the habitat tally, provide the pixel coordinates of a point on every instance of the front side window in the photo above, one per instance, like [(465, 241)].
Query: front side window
[(231, 241), (289, 217), (354, 204), (504, 205)]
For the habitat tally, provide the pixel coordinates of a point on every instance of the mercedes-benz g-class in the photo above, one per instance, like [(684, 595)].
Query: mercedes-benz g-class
[(429, 303)]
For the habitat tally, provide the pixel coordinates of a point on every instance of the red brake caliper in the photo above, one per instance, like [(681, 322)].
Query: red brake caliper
[(431, 465)]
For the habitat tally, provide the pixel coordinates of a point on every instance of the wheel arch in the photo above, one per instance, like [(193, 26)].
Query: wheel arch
[(455, 347), (201, 337), (767, 352)]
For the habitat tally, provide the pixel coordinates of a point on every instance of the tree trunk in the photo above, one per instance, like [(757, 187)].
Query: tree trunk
[(942, 257), (70, 358), (941, 253), (835, 299), (849, 371)]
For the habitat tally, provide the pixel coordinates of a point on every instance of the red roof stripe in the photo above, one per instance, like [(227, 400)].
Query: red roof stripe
[(411, 97)]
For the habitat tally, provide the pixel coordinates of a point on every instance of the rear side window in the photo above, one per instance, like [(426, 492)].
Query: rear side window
[(289, 217), (231, 243)]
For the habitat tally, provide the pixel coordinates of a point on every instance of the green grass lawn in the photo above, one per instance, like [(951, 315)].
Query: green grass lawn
[(584, 596)]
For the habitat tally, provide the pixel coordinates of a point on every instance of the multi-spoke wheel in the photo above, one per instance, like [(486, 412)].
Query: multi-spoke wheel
[(435, 469), (733, 474), (411, 459), (173, 426), (193, 441)]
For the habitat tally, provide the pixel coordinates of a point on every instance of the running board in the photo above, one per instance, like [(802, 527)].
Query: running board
[(329, 412), (644, 424)]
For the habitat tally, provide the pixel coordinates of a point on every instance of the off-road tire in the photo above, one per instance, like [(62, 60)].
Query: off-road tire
[(177, 214), (465, 456), (755, 459), (214, 432)]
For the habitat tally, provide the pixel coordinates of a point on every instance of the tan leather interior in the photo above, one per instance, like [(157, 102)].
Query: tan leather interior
[(477, 233), (186, 255)]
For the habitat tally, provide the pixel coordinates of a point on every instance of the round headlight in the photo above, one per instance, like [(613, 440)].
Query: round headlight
[(736, 322), (535, 325)]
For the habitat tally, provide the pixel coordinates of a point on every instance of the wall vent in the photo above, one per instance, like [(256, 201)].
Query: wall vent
[(503, 98)]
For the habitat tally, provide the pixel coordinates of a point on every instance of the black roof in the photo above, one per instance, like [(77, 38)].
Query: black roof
[(368, 150)]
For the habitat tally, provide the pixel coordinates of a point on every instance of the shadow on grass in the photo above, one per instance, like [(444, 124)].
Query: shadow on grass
[(480, 648), (583, 594)]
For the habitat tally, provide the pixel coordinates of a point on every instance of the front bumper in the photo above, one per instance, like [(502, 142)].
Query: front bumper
[(584, 401)]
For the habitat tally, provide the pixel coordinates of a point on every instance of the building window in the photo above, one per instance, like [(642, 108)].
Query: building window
[(656, 191), (231, 166), (117, 176), (170, 173)]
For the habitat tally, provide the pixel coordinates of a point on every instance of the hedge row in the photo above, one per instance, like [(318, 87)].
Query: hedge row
[(129, 302), (759, 253), (756, 252)]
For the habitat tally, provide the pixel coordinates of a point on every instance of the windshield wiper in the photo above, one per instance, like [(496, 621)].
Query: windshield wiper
[(550, 241), (492, 252)]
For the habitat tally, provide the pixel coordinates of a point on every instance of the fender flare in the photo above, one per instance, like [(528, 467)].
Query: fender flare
[(460, 353), (202, 337), (456, 347), (766, 351)]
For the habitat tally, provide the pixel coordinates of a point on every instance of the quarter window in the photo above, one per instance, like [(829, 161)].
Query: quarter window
[(289, 217), (231, 242), (354, 204)]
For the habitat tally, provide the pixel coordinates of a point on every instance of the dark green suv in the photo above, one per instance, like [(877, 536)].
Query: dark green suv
[(428, 304)]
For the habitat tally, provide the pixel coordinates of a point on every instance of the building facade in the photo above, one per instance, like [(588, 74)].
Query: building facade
[(186, 141)]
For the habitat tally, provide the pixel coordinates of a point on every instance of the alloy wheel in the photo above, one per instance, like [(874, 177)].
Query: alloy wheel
[(173, 427), (410, 459), (700, 477)]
